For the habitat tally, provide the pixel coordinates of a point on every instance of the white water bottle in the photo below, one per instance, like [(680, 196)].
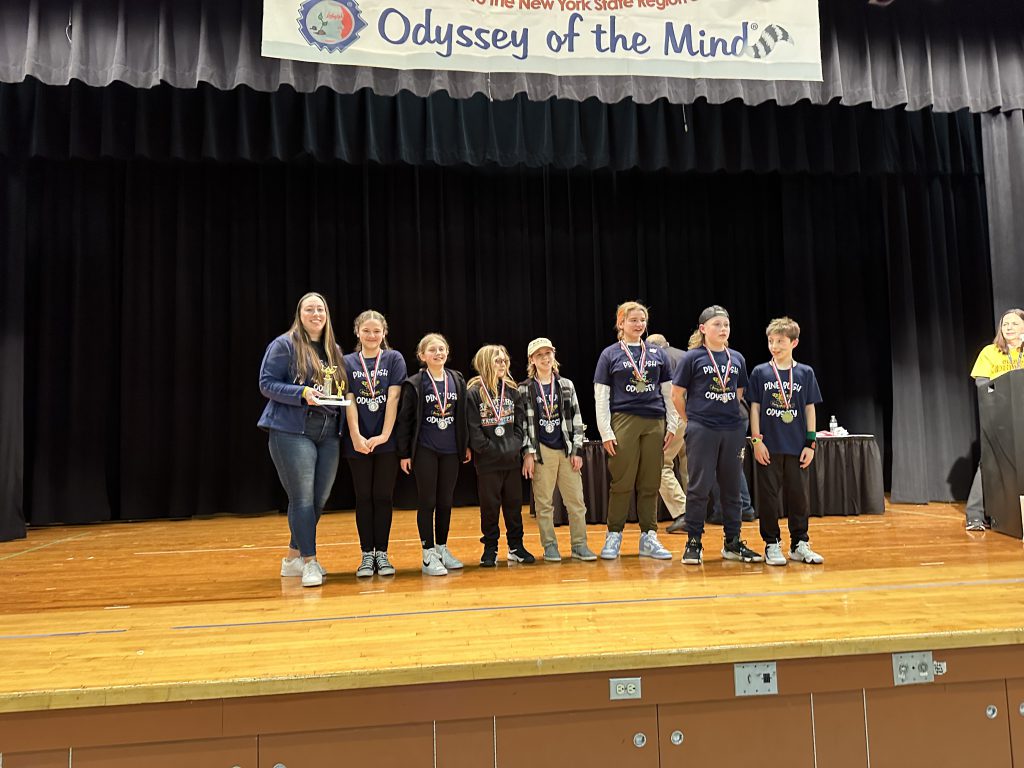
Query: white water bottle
[(833, 425)]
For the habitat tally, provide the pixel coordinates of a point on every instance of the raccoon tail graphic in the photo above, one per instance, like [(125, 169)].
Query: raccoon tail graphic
[(771, 36)]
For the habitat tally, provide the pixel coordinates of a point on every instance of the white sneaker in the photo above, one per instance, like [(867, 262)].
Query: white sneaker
[(448, 560), (312, 574), (802, 553), (773, 554), (612, 545), (651, 547), (432, 565), (291, 566), (366, 565)]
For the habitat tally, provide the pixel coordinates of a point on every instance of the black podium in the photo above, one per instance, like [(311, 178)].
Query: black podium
[(1001, 405)]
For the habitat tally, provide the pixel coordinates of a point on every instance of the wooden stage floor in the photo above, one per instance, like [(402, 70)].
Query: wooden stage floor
[(171, 611)]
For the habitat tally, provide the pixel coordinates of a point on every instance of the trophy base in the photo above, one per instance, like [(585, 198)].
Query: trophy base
[(334, 401)]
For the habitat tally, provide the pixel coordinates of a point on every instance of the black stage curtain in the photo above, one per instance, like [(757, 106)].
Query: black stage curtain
[(163, 123), (148, 291)]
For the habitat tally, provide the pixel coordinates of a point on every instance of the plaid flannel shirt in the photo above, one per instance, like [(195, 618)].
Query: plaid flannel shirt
[(573, 428)]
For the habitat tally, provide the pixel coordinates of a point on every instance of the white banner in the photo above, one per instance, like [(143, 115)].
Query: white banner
[(750, 39)]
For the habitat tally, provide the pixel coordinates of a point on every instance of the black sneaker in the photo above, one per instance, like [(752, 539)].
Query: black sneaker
[(694, 552), (736, 549), (520, 555), (489, 558)]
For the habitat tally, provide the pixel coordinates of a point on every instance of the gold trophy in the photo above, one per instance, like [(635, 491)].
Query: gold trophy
[(329, 371), (328, 396)]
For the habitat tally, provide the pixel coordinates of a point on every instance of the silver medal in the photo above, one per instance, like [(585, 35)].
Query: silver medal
[(499, 431), (549, 428), (373, 405), (442, 424)]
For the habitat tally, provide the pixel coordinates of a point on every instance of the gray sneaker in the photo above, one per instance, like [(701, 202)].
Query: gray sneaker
[(651, 547), (678, 525), (384, 566), (582, 552), (551, 553), (612, 545), (365, 565), (448, 560)]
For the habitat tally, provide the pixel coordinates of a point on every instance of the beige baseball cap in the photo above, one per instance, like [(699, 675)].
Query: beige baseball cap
[(536, 344)]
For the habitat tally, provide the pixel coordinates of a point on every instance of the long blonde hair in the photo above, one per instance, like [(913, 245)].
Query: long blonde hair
[(307, 361), (623, 310), (483, 364), (531, 369), (697, 337), (371, 314)]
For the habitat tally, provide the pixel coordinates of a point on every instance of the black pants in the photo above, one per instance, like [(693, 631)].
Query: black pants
[(373, 475), (713, 456), (435, 475), (501, 490), (782, 485)]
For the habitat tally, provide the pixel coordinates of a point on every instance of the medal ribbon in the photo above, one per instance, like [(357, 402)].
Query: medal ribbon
[(787, 401), (498, 412), (548, 409), (372, 382), (718, 371), (442, 408), (639, 366)]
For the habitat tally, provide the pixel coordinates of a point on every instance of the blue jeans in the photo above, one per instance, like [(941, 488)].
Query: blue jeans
[(307, 464)]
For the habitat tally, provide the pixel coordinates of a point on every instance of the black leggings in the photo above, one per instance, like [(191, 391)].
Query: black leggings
[(373, 475), (435, 475)]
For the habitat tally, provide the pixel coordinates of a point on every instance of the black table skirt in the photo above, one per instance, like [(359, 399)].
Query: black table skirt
[(845, 478), (595, 490)]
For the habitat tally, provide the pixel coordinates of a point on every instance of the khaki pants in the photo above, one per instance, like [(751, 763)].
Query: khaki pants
[(636, 465), (671, 491), (556, 469)]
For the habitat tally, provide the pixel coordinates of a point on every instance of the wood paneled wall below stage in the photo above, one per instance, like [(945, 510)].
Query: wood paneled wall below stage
[(841, 712)]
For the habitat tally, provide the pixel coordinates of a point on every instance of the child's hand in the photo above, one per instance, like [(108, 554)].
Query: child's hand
[(806, 457), (406, 465), (762, 456), (528, 466), (577, 463), (609, 446)]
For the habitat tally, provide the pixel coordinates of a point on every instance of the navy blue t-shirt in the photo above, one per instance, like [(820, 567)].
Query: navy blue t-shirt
[(390, 373), (707, 402), (431, 436), (780, 437), (549, 426), (628, 395)]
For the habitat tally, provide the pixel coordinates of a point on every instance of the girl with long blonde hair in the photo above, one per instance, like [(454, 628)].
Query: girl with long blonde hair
[(496, 420)]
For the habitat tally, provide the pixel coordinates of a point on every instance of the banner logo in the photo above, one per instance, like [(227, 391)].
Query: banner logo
[(330, 25)]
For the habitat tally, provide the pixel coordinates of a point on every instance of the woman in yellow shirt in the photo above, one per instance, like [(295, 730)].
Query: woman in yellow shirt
[(1005, 353)]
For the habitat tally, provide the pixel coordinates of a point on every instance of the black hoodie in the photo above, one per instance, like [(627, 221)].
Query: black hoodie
[(492, 452)]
